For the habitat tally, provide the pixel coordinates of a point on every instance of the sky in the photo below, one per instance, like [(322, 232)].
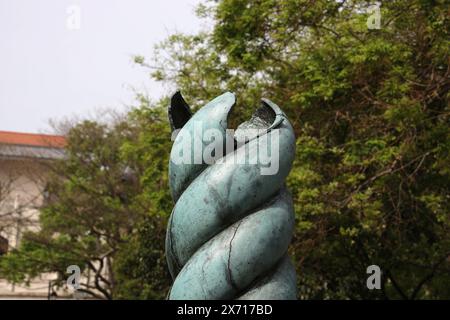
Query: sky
[(65, 58)]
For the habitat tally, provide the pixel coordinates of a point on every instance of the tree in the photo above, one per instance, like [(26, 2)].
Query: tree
[(98, 200), (371, 113), (141, 265)]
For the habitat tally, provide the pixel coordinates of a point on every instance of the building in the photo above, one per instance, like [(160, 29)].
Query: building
[(24, 169)]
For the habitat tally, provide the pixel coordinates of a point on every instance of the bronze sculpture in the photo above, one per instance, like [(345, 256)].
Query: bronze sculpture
[(229, 231)]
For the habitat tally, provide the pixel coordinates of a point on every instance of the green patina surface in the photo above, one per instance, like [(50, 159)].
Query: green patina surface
[(231, 226)]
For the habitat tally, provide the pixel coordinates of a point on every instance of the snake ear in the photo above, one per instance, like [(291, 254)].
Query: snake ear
[(179, 111)]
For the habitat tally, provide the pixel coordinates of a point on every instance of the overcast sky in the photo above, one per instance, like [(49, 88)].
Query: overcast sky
[(51, 66)]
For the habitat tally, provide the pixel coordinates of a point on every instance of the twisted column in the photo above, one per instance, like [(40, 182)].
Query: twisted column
[(229, 231)]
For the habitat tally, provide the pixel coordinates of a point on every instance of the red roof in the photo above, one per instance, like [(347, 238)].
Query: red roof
[(32, 139)]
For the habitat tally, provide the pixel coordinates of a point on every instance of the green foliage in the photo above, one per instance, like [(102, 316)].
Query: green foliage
[(141, 267)]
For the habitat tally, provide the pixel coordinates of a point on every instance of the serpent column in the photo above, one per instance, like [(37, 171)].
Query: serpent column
[(229, 231)]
